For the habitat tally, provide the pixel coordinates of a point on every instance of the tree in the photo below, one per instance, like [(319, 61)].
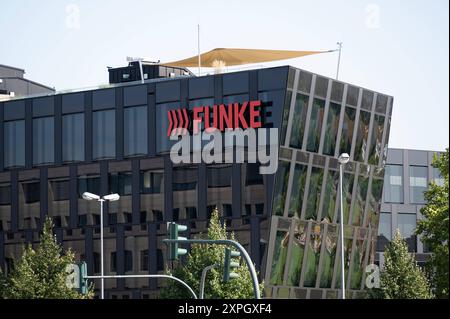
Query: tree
[(41, 273), (433, 229), (201, 256), (401, 277)]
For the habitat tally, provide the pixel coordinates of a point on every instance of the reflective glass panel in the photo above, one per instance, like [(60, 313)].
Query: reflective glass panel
[(331, 129), (43, 140), (315, 187), (393, 184), (280, 188), (299, 120), (315, 125), (375, 151), (361, 138), (418, 183), (347, 131), (104, 134), (14, 143), (73, 137), (297, 191), (279, 257), (135, 131)]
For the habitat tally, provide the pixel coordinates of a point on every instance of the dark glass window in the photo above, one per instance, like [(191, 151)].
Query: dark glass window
[(286, 110), (104, 134), (89, 184), (331, 129), (381, 103), (184, 179), (159, 260), (337, 90), (360, 200), (315, 187), (304, 83), (151, 182), (31, 191), (407, 227), (252, 175), (384, 231), (299, 120), (418, 176), (279, 258), (297, 192), (60, 189), (375, 144), (281, 181), (321, 87), (219, 176), (361, 139), (73, 137), (347, 131), (367, 99), (144, 260), (96, 262), (113, 263), (120, 183), (329, 199), (14, 143), (315, 125), (5, 195), (135, 128), (393, 184), (352, 95), (43, 140), (128, 260)]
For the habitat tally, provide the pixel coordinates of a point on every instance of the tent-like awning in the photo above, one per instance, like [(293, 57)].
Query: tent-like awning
[(228, 57)]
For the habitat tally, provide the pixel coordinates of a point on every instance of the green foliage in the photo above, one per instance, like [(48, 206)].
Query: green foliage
[(433, 229), (401, 277), (41, 273), (201, 256)]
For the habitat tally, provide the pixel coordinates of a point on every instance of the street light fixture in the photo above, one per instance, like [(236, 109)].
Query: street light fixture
[(343, 159), (111, 198)]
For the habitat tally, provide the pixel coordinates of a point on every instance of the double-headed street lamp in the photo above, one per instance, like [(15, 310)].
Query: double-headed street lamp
[(111, 198), (343, 159)]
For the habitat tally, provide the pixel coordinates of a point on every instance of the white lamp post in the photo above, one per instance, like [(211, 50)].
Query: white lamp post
[(111, 198), (343, 159)]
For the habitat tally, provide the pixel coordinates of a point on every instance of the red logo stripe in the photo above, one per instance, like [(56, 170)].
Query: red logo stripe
[(169, 115)]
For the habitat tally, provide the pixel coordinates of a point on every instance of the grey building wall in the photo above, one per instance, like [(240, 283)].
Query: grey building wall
[(12, 80), (394, 208)]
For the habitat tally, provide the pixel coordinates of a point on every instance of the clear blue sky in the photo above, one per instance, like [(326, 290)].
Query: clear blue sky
[(396, 47)]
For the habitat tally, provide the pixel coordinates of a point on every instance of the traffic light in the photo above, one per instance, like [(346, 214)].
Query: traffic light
[(174, 229), (84, 285), (229, 264)]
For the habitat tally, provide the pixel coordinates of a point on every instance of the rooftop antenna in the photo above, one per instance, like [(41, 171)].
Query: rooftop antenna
[(339, 58), (198, 49)]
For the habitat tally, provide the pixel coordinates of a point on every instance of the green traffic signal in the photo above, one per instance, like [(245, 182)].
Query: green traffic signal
[(174, 229), (84, 285), (229, 264)]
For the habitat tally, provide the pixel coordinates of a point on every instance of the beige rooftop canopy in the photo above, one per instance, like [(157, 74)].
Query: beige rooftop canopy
[(227, 57)]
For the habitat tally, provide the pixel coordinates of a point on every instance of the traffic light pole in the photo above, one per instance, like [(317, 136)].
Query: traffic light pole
[(238, 246), (203, 279), (146, 276)]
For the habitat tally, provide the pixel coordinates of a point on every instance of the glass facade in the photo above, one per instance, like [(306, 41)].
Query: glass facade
[(43, 140), (315, 125), (14, 143), (104, 134), (407, 226), (393, 184), (418, 183), (331, 129), (73, 137), (298, 122), (135, 131), (115, 141)]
